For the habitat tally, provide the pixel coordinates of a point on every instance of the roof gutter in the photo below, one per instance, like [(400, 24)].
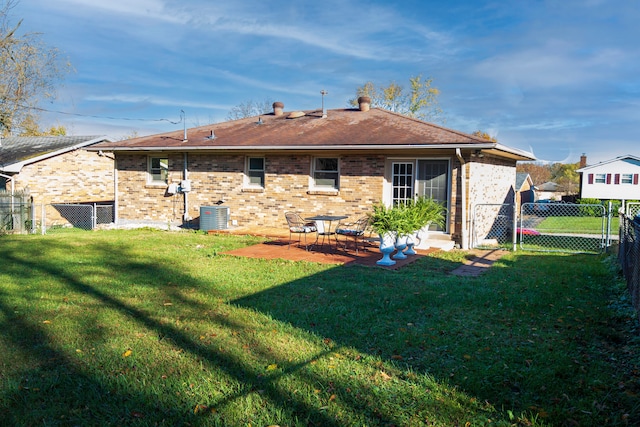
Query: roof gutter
[(496, 148)]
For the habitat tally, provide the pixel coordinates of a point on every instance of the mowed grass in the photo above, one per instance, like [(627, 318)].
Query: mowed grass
[(147, 328), (577, 224)]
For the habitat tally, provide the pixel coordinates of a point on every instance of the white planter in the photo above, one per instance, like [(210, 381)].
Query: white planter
[(411, 242), (401, 245), (387, 246)]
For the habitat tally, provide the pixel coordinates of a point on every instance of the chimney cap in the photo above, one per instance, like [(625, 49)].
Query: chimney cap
[(364, 99), (278, 104)]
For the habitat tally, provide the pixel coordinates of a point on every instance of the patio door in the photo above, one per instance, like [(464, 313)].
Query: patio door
[(403, 182), (433, 181), (422, 177)]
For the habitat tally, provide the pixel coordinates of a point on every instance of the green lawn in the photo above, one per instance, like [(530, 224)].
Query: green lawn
[(156, 328), (576, 224)]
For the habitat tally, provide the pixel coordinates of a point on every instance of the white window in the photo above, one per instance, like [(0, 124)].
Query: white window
[(626, 178), (255, 172), (601, 178), (325, 173), (158, 170)]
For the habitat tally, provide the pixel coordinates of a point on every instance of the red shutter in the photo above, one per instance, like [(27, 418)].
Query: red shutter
[(590, 178), (635, 179), (608, 178), (616, 179)]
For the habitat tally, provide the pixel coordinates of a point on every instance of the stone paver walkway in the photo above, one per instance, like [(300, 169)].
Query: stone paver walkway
[(478, 264)]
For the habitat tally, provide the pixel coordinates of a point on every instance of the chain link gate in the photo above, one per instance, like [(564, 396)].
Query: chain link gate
[(492, 225), (84, 216), (564, 227)]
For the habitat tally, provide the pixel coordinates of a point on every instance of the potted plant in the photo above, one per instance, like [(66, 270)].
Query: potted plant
[(426, 211), (384, 221)]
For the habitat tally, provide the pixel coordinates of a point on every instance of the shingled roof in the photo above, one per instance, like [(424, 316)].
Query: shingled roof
[(344, 129), (17, 151)]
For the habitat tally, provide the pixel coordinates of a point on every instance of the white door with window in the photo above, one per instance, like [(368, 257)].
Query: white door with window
[(421, 177)]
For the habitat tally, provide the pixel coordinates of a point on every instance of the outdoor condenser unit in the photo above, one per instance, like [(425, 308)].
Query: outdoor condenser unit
[(214, 217)]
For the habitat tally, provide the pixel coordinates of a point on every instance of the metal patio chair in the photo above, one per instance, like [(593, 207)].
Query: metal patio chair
[(299, 226), (352, 230)]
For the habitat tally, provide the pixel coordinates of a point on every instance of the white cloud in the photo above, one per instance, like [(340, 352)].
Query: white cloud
[(149, 9)]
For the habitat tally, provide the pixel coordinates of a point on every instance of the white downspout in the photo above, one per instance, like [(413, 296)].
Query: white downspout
[(115, 190), (185, 216), (463, 189)]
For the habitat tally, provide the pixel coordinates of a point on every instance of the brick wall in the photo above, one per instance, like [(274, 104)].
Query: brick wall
[(221, 177), (491, 182), (216, 177), (76, 176)]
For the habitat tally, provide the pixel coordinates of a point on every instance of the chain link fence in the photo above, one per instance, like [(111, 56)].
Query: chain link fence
[(492, 225), (633, 209), (629, 256), (564, 227), (49, 218)]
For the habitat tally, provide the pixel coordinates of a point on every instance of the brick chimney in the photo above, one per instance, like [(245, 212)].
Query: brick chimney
[(277, 108), (583, 160), (365, 103)]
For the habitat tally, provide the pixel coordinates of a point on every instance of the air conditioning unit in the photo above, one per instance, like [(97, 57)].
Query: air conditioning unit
[(214, 218)]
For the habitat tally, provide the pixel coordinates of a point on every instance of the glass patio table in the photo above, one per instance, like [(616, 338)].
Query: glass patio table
[(323, 226)]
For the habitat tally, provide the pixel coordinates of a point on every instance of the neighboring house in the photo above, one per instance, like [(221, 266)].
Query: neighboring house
[(525, 190), (548, 191), (615, 179), (56, 169), (339, 161)]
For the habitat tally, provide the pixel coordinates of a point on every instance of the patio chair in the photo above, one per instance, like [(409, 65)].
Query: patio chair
[(299, 226), (354, 230)]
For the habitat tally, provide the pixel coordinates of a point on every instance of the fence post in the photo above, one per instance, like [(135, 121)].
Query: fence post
[(635, 273), (94, 215), (514, 227)]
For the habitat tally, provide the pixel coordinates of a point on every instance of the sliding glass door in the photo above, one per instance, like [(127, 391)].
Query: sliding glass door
[(422, 177)]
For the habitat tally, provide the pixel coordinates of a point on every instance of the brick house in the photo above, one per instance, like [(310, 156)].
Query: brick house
[(313, 162), (615, 179), (525, 190), (57, 169)]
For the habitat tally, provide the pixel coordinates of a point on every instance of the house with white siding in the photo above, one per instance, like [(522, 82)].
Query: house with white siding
[(615, 179)]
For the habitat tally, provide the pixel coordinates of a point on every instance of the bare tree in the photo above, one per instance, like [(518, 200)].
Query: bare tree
[(249, 109), (420, 101), (29, 73)]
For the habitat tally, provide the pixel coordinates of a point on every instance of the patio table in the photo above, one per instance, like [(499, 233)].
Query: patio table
[(325, 230)]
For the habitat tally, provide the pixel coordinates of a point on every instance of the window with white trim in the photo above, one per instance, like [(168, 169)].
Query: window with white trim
[(601, 178), (255, 172), (626, 178), (158, 170), (325, 173)]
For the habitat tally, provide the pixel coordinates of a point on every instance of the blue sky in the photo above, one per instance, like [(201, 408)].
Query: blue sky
[(557, 78)]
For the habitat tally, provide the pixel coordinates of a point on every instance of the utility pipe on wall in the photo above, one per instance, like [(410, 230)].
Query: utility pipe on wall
[(185, 216), (463, 189)]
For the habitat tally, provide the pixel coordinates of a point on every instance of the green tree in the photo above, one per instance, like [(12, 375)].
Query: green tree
[(565, 175), (29, 73), (419, 101)]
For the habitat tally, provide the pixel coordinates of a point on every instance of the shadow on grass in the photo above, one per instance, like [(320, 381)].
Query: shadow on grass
[(62, 387), (484, 335), (82, 398)]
